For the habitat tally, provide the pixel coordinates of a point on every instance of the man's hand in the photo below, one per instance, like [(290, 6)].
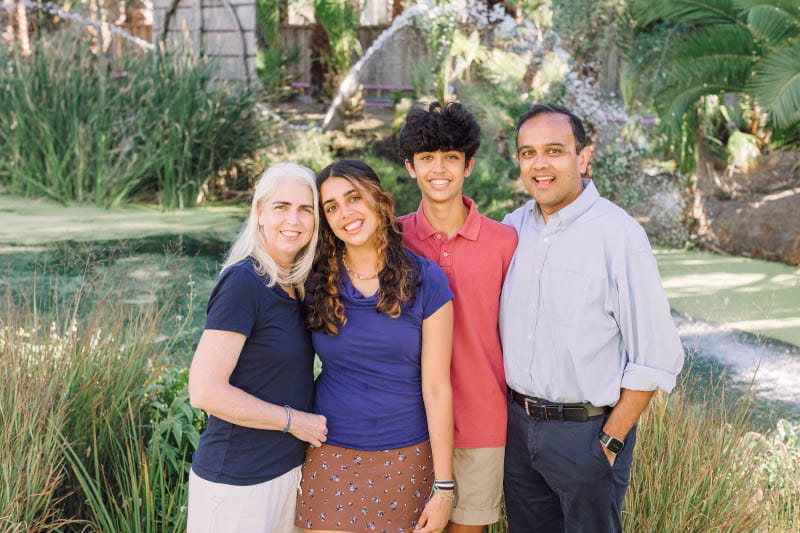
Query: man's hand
[(610, 456)]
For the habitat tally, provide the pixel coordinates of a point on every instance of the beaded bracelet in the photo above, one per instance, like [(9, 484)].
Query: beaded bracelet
[(288, 419), (444, 495), (445, 490)]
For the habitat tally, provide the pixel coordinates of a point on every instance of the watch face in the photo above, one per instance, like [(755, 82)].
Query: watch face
[(614, 445)]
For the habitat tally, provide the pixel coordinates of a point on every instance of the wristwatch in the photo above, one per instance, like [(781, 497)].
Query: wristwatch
[(612, 444)]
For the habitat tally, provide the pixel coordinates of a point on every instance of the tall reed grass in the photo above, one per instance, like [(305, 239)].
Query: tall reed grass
[(76, 405), (76, 127)]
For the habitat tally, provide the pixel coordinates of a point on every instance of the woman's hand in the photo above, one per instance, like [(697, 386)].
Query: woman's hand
[(309, 427), (435, 515)]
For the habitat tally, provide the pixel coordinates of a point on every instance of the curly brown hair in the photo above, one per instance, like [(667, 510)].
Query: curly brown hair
[(398, 270)]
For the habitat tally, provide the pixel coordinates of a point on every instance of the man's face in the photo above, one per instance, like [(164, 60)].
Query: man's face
[(440, 175), (549, 164)]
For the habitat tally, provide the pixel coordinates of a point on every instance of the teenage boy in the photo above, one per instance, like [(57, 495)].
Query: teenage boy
[(438, 144)]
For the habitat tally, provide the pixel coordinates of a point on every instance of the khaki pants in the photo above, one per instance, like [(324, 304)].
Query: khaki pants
[(263, 508)]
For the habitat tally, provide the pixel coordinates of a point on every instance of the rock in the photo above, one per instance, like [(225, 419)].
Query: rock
[(755, 212), (661, 210)]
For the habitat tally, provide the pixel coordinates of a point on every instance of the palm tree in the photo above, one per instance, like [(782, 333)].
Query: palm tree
[(750, 47)]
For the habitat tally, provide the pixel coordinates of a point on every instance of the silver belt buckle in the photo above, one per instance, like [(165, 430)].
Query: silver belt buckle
[(528, 403)]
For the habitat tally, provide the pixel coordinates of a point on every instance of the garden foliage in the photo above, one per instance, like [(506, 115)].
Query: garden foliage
[(77, 128), (712, 48), (273, 60)]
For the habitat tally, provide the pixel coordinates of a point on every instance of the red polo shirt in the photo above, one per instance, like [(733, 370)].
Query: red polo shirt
[(475, 261)]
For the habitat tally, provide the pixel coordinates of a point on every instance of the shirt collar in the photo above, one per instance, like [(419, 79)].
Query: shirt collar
[(469, 229), (569, 213)]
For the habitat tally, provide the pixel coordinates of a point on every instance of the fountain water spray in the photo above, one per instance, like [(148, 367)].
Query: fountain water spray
[(350, 82), (59, 11)]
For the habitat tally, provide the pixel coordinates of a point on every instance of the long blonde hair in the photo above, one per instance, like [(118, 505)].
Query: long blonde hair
[(250, 242)]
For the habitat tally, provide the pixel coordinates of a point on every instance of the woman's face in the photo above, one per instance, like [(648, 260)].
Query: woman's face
[(350, 212), (287, 221)]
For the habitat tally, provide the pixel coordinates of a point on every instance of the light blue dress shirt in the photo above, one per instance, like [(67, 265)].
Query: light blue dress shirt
[(583, 312)]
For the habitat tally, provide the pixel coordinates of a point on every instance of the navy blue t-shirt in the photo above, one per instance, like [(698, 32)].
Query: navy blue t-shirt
[(370, 388), (276, 365)]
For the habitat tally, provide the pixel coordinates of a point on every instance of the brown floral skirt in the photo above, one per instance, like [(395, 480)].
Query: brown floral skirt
[(355, 490)]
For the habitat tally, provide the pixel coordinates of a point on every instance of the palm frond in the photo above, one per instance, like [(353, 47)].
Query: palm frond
[(776, 84), (732, 72), (772, 24), (727, 40), (790, 7), (678, 102), (693, 12)]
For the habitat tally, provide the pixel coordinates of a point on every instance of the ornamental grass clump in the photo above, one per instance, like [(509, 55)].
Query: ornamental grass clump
[(77, 127), (693, 470), (76, 405)]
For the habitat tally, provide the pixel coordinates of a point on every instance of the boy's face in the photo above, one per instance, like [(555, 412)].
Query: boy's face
[(440, 175)]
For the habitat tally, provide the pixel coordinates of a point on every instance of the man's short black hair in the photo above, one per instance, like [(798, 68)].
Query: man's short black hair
[(448, 128), (577, 126)]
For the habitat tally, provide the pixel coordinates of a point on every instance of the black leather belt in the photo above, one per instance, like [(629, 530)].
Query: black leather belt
[(539, 409)]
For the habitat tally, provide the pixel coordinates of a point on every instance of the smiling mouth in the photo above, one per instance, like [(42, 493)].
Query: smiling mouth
[(353, 226), (544, 180), (290, 234), (439, 182)]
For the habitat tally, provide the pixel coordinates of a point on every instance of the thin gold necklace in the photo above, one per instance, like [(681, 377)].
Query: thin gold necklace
[(356, 274)]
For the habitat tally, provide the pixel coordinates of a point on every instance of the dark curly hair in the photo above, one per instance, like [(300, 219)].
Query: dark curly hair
[(446, 128), (398, 271)]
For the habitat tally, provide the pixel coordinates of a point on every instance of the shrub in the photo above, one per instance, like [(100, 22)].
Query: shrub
[(76, 128)]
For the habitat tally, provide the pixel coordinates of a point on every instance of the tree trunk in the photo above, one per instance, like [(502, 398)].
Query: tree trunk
[(320, 51), (283, 12), (397, 9), (23, 29)]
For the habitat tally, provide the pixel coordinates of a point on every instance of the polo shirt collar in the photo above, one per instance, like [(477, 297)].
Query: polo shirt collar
[(469, 229), (570, 213)]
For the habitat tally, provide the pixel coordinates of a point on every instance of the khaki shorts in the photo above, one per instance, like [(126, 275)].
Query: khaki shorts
[(479, 485)]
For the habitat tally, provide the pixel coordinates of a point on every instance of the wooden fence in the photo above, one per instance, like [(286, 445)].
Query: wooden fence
[(224, 29)]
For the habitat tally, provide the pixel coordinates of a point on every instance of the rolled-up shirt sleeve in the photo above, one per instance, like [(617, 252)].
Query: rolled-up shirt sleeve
[(651, 342)]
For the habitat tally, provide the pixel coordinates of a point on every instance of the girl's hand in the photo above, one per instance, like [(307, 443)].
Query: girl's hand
[(435, 515)]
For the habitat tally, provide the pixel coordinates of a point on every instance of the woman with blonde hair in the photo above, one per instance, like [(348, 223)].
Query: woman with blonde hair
[(253, 367), (382, 324)]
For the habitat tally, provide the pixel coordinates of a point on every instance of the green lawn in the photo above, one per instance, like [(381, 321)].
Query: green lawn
[(756, 296), (752, 295), (30, 222)]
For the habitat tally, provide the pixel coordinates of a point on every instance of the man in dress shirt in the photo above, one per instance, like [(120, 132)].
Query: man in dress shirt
[(587, 337)]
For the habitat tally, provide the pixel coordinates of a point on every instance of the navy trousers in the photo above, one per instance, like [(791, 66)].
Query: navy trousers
[(557, 478)]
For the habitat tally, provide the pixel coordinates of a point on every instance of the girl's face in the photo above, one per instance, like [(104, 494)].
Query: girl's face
[(287, 221), (350, 212)]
